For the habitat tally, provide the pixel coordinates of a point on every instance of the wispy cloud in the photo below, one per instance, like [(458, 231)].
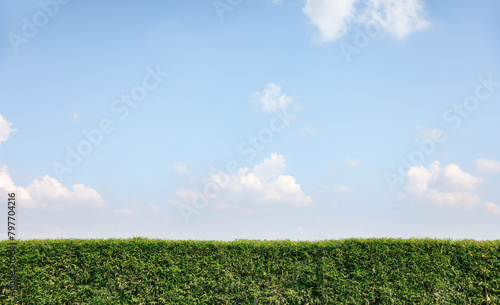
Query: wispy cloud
[(123, 212), (352, 162), (341, 188), (431, 133), (181, 168), (492, 208), (487, 165), (300, 230), (402, 16), (135, 209)]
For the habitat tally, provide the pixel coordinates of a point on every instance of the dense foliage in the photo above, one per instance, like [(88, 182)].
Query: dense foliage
[(350, 271)]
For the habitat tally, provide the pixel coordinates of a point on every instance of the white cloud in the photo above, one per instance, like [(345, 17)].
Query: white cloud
[(488, 165), (271, 167), (181, 168), (7, 186), (341, 188), (76, 116), (45, 193), (5, 129), (329, 17), (447, 186), (271, 98), (264, 185), (49, 194), (352, 162), (396, 17), (492, 208)]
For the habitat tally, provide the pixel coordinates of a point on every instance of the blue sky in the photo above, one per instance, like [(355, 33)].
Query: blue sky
[(267, 119)]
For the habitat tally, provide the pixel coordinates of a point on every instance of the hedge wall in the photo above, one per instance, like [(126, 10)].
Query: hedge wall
[(349, 271)]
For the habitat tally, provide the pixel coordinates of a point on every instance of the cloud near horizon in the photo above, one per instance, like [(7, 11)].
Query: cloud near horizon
[(49, 194), (45, 193), (42, 203), (492, 208)]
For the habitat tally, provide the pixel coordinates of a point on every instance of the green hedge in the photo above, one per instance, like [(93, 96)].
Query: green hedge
[(350, 271)]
